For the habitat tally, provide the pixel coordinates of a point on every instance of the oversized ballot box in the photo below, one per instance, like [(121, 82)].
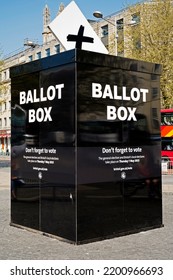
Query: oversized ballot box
[(86, 145)]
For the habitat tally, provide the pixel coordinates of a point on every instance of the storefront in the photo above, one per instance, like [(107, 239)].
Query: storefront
[(5, 140)]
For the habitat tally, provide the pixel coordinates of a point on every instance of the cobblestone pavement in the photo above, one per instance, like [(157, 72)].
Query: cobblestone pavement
[(16, 243)]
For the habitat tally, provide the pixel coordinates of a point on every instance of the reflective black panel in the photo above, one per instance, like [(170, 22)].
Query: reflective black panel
[(86, 146), (24, 182), (44, 108)]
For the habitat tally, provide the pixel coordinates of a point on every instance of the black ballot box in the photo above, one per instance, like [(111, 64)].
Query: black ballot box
[(86, 146)]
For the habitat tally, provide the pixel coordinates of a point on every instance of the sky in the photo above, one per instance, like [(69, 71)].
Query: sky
[(21, 19)]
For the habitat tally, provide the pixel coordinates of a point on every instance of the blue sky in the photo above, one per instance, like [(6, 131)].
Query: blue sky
[(21, 19)]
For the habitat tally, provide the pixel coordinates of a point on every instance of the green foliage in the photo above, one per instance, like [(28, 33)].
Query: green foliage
[(155, 34)]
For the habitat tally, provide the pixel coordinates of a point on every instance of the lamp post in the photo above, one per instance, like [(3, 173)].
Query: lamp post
[(98, 14)]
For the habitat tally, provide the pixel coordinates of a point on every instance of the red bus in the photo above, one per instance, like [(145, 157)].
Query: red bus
[(167, 135)]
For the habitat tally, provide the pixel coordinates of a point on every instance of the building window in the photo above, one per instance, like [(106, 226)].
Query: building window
[(30, 58), (154, 92), (9, 105), (5, 106), (57, 48), (104, 30), (48, 52), (120, 24), (138, 44), (154, 113), (153, 77), (5, 75), (136, 18), (0, 122), (5, 122), (39, 55), (120, 36)]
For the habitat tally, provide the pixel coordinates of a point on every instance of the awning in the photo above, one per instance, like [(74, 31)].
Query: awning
[(4, 135)]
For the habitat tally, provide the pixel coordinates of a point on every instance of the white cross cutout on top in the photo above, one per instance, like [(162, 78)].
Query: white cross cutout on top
[(72, 29)]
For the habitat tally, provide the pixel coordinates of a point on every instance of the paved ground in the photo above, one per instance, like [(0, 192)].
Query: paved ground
[(20, 244), (4, 161)]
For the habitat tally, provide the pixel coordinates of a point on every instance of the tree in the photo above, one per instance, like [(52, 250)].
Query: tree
[(151, 39)]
